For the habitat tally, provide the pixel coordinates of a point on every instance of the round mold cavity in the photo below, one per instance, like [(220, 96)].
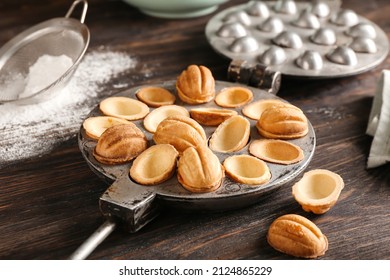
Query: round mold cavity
[(273, 56), (310, 60), (324, 36), (343, 55), (232, 30), (362, 30), (320, 9), (307, 20), (238, 16), (363, 45), (258, 9), (288, 39), (244, 44), (345, 18), (272, 24), (285, 7)]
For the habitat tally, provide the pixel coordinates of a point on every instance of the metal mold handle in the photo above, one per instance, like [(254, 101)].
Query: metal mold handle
[(257, 75), (126, 204)]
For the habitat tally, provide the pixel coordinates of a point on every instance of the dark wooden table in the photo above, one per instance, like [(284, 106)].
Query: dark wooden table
[(49, 205)]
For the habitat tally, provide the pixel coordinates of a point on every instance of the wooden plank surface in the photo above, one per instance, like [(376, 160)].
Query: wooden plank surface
[(49, 204)]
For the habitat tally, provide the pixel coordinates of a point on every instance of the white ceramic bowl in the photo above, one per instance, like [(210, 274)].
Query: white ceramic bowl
[(176, 8)]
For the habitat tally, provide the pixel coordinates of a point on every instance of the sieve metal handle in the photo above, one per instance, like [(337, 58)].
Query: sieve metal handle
[(84, 12), (93, 241)]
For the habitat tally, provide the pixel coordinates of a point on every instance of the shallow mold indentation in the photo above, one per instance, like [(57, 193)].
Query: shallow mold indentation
[(307, 20), (238, 16), (362, 30), (258, 9), (244, 44), (318, 190), (232, 30), (343, 55), (288, 39), (285, 7), (310, 60), (276, 151), (247, 169), (324, 36), (273, 56), (272, 24), (345, 18), (363, 45), (320, 9)]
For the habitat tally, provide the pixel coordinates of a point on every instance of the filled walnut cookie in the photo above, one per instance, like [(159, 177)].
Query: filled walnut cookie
[(199, 170), (297, 236), (196, 85), (181, 132), (119, 144), (282, 122)]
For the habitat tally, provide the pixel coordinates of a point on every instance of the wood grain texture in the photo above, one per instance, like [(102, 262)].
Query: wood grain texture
[(49, 205)]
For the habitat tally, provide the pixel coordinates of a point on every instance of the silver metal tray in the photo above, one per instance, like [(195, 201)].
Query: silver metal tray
[(244, 39)]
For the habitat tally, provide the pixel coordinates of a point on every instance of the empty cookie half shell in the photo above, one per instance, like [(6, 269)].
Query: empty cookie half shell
[(276, 151), (155, 96), (124, 108), (233, 97), (211, 116), (231, 135), (154, 165), (247, 169), (318, 190), (255, 109), (95, 126), (155, 117)]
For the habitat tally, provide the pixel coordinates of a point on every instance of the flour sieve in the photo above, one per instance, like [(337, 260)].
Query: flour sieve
[(55, 37)]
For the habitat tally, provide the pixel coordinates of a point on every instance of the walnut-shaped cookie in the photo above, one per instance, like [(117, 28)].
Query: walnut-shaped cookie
[(120, 144), (181, 132), (282, 123), (199, 170), (196, 85)]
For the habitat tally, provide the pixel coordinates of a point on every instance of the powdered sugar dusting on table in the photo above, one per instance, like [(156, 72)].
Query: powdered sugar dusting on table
[(33, 130)]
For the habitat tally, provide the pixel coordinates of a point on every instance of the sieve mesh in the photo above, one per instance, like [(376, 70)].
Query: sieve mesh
[(55, 37)]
